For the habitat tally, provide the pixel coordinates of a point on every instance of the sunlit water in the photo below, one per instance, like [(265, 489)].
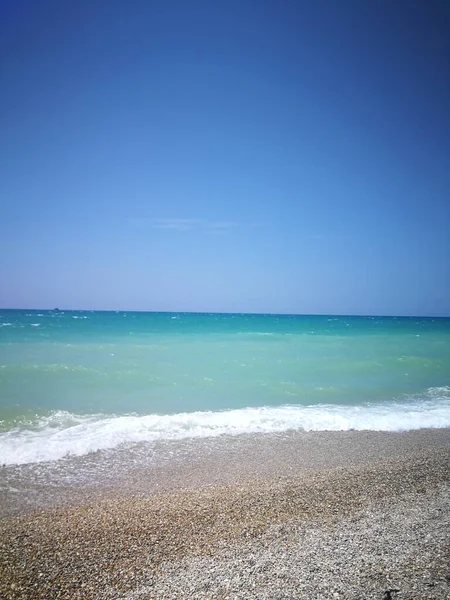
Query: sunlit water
[(72, 383)]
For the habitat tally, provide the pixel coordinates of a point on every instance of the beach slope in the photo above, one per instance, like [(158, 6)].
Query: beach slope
[(378, 528)]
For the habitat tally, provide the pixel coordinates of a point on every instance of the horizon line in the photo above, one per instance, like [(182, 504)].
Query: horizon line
[(260, 313)]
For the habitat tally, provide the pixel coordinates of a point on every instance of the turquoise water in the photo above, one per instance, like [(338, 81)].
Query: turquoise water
[(76, 381)]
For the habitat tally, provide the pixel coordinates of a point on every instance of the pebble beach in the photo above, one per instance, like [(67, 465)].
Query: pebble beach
[(331, 515)]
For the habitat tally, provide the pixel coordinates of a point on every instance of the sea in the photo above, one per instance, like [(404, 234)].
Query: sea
[(73, 383)]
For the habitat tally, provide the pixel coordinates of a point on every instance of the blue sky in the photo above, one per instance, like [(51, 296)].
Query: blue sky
[(226, 156)]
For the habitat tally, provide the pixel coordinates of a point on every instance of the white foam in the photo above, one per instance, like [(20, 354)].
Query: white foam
[(63, 434)]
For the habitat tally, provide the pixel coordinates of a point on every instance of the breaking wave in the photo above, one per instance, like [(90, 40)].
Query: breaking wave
[(63, 434)]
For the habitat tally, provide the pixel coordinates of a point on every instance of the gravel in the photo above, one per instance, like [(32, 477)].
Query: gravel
[(353, 532)]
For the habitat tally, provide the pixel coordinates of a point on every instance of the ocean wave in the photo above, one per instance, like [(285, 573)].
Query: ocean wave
[(63, 434)]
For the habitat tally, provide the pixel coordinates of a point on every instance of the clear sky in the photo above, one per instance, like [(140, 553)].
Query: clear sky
[(249, 156)]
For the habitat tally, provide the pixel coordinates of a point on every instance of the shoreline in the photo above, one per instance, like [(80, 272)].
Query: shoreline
[(348, 516), (147, 469)]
